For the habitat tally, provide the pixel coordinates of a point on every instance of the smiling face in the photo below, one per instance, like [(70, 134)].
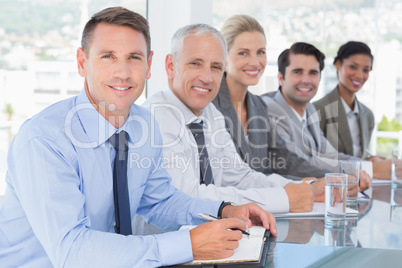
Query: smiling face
[(301, 80), (115, 70), (353, 72), (247, 58), (195, 75)]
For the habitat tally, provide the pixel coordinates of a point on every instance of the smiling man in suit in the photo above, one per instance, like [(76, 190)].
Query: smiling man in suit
[(295, 118)]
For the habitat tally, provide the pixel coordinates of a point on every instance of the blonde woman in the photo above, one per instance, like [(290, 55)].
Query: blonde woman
[(246, 114)]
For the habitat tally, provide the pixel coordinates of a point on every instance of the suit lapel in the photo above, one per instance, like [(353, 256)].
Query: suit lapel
[(257, 120), (345, 138), (314, 125), (364, 125), (342, 141), (234, 127), (303, 141), (285, 106)]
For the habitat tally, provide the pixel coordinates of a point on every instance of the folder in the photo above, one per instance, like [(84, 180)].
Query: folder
[(251, 252)]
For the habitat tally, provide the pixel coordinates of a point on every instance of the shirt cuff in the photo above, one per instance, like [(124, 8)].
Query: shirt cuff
[(175, 247), (277, 200), (209, 207)]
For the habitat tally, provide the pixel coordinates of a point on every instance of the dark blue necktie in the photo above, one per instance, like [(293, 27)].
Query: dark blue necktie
[(205, 168), (120, 188)]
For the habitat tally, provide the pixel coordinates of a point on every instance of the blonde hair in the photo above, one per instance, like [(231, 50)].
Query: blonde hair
[(238, 24)]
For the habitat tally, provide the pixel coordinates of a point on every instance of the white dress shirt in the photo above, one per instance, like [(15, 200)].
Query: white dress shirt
[(354, 127), (312, 142), (234, 180)]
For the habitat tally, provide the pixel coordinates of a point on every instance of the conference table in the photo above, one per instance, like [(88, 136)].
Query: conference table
[(373, 239)]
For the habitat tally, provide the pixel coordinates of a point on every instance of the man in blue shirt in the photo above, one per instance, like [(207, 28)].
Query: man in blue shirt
[(58, 209)]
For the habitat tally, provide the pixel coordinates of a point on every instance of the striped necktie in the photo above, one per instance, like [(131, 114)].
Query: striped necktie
[(205, 168)]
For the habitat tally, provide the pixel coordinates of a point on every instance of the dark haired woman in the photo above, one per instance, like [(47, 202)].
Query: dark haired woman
[(355, 122)]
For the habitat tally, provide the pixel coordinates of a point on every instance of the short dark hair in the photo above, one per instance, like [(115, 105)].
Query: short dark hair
[(116, 16), (299, 48), (353, 48)]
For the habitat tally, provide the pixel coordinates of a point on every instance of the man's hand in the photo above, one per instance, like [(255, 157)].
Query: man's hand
[(214, 240), (382, 169), (364, 180), (301, 197), (376, 158), (318, 188), (252, 214)]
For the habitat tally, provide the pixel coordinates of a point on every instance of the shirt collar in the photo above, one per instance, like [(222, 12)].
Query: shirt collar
[(189, 116), (301, 118), (95, 125), (347, 108)]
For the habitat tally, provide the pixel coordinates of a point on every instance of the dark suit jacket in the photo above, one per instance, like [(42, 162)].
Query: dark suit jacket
[(332, 111), (262, 149)]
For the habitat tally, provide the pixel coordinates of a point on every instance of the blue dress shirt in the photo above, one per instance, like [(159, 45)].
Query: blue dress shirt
[(58, 208)]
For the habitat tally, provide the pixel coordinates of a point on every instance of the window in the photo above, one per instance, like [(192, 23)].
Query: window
[(328, 24), (38, 42)]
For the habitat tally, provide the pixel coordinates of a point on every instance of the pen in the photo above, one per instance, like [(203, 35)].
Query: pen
[(366, 195), (208, 217)]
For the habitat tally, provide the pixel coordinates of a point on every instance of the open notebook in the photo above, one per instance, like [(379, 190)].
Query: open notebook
[(249, 249)]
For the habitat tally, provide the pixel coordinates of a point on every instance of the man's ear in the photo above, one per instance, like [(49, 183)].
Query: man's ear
[(81, 62), (280, 79), (170, 66), (149, 63)]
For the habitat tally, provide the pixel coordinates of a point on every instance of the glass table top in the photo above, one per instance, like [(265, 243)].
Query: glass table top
[(374, 239), (379, 226), (285, 255)]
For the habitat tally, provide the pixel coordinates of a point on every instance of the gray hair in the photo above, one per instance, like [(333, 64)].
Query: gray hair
[(195, 30)]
